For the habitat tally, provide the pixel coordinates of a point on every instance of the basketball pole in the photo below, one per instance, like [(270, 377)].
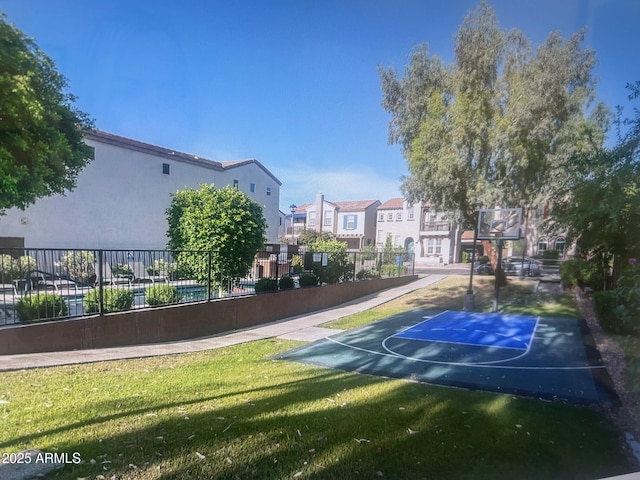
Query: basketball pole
[(496, 288)]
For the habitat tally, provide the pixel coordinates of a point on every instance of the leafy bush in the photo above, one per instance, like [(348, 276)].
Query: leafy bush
[(309, 280), (390, 270), (297, 263), (113, 300), (483, 259), (15, 268), (78, 265), (367, 274), (582, 273), (41, 306), (628, 296), (286, 283), (122, 270), (337, 267), (605, 304), (266, 285), (162, 295)]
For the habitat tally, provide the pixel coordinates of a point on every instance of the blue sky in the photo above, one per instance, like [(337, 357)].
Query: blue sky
[(292, 83)]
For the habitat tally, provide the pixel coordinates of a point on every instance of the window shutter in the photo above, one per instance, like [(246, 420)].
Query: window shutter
[(344, 222)]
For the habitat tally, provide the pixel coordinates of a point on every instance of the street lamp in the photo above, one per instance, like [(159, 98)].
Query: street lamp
[(292, 207)]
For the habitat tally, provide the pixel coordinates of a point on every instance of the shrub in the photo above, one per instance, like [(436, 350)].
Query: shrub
[(286, 283), (41, 306), (266, 285), (582, 273), (15, 268), (78, 265), (113, 300), (161, 295), (122, 270), (605, 304), (628, 296), (297, 263), (389, 270), (309, 280), (483, 259), (367, 274)]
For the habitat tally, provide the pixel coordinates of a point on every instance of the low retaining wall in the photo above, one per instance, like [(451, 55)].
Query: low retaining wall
[(181, 322)]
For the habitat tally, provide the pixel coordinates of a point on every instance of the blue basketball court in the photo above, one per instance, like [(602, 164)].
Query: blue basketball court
[(551, 358)]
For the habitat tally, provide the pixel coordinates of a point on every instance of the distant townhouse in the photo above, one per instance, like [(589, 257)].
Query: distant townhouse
[(352, 222), (419, 229), (122, 195)]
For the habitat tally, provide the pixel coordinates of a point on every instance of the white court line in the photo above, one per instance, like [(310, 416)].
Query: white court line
[(492, 364)]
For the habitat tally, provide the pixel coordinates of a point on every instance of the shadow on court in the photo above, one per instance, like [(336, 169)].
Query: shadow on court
[(550, 358)]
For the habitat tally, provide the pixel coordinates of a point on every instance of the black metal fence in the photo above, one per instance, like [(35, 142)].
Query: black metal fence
[(42, 284)]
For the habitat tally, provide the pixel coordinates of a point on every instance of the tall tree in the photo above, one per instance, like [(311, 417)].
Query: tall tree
[(600, 206), (41, 132), (225, 223), (494, 126)]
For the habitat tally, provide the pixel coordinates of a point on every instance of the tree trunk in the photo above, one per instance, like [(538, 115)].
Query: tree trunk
[(491, 252)]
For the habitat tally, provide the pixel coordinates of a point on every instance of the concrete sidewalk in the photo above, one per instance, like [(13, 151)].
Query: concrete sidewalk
[(303, 327)]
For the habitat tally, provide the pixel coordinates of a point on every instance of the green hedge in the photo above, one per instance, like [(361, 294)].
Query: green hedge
[(286, 283), (113, 299), (309, 280), (604, 304), (161, 295), (266, 285), (582, 273), (41, 306)]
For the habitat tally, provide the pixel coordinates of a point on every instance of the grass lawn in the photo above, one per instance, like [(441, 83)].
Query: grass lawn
[(235, 413)]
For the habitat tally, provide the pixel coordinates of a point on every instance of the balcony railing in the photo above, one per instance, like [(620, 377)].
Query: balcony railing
[(436, 227)]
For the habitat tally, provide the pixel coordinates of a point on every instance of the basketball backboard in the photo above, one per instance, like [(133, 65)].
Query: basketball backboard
[(499, 223)]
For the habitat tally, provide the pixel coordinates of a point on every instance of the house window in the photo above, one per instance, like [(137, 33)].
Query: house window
[(399, 217), (411, 215), (438, 245), (350, 222), (235, 184), (380, 236), (560, 245), (390, 217), (312, 219), (396, 241), (328, 218), (252, 188), (268, 191), (431, 245), (166, 169), (381, 217), (542, 245)]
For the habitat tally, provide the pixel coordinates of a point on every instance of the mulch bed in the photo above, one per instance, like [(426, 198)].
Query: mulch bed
[(626, 416)]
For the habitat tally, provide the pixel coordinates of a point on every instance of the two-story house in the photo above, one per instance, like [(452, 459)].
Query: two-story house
[(419, 229), (352, 222)]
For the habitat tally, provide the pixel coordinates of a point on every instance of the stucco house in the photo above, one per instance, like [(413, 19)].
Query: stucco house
[(122, 195), (352, 222), (419, 229)]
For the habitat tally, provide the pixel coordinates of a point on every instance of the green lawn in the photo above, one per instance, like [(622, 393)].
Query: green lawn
[(235, 413)]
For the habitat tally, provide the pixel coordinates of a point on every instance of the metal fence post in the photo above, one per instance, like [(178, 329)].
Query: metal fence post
[(209, 276), (100, 284)]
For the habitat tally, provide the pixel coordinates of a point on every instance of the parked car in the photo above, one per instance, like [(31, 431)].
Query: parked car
[(527, 268), (483, 269)]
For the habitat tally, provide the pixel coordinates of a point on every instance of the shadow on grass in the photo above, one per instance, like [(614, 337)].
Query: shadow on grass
[(326, 424)]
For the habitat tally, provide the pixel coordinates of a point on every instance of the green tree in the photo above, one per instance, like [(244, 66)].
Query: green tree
[(496, 124), (225, 222), (41, 132), (600, 206)]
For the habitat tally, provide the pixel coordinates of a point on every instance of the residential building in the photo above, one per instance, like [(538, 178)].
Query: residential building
[(122, 195), (418, 229), (352, 222)]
